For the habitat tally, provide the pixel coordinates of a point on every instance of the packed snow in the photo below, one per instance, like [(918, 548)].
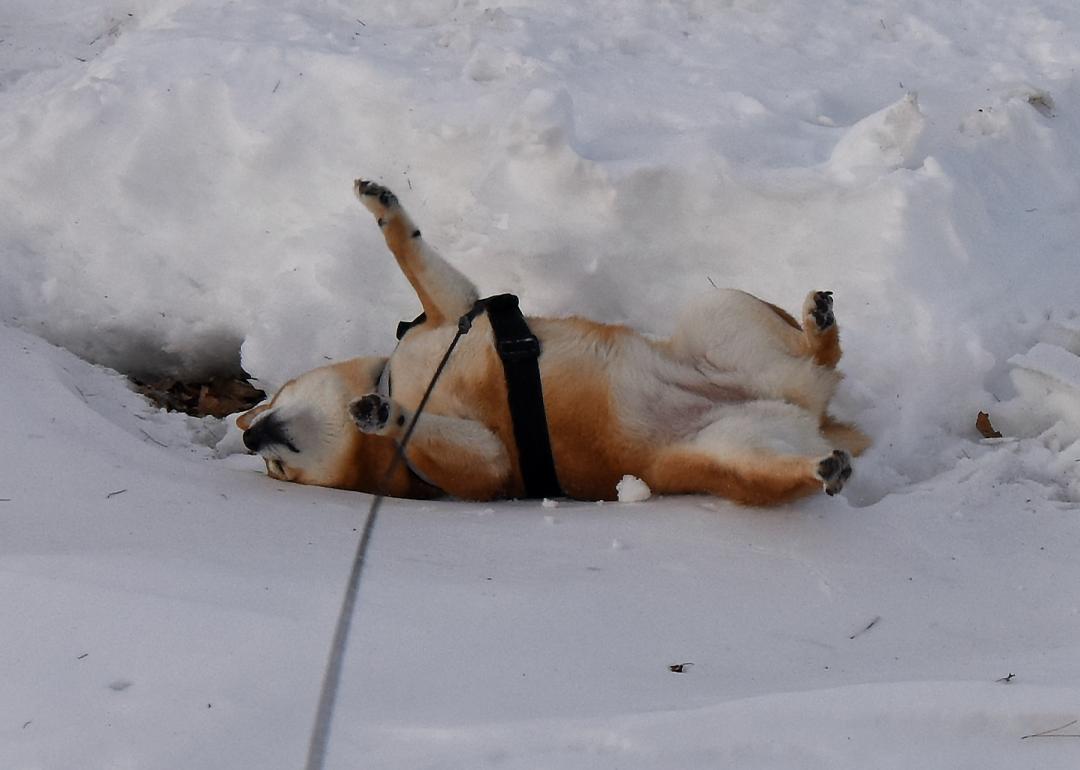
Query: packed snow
[(175, 199), (631, 489)]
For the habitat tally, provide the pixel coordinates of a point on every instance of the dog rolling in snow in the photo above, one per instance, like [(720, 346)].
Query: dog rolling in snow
[(734, 404)]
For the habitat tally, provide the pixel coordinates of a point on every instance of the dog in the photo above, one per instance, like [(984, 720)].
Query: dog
[(734, 404)]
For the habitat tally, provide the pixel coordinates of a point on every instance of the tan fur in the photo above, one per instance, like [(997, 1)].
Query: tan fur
[(750, 480), (787, 317), (243, 422), (734, 404), (822, 345), (844, 436), (398, 235)]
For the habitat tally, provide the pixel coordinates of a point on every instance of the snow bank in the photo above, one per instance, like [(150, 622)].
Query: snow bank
[(219, 165), (175, 198), (179, 202), (1047, 401)]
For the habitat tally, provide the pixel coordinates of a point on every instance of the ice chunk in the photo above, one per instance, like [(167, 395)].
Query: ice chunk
[(1058, 365), (1047, 381), (631, 489)]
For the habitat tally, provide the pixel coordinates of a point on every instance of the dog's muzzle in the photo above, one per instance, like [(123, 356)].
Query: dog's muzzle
[(269, 431)]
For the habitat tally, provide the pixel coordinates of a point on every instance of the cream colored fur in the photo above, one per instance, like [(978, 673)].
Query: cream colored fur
[(733, 404)]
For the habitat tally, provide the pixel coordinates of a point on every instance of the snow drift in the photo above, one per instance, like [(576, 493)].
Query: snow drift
[(176, 200)]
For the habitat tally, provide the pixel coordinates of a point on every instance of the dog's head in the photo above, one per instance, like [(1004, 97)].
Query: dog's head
[(305, 434)]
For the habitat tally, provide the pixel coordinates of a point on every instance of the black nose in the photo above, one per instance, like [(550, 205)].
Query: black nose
[(268, 431), (253, 438)]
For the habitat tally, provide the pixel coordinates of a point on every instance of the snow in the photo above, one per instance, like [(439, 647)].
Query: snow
[(1056, 364), (175, 199), (631, 489)]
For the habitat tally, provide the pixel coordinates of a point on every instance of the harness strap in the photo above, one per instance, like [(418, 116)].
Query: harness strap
[(519, 351), (404, 326)]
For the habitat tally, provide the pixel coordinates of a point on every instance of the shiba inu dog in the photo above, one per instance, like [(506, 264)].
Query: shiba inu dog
[(734, 404)]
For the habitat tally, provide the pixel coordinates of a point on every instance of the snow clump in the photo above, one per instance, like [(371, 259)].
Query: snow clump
[(631, 489)]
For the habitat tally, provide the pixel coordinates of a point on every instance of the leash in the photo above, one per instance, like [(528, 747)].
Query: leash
[(320, 733), (519, 351)]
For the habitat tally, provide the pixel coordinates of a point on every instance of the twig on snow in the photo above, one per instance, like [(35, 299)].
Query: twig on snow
[(152, 438), (1053, 732), (113, 30), (114, 494), (868, 626)]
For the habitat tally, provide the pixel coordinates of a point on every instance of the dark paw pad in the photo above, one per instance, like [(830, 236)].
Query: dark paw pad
[(822, 311), (370, 413), (834, 470), (371, 189)]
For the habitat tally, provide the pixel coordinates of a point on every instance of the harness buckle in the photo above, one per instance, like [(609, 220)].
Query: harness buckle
[(518, 349)]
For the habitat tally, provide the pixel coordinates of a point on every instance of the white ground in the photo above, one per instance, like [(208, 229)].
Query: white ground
[(175, 197)]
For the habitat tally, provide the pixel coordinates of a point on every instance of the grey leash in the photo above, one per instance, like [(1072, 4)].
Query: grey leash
[(320, 733)]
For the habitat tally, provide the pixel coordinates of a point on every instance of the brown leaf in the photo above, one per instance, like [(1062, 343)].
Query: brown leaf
[(218, 397), (982, 424)]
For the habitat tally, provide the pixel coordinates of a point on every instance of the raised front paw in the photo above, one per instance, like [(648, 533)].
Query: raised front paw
[(376, 198), (374, 414), (818, 310), (834, 470)]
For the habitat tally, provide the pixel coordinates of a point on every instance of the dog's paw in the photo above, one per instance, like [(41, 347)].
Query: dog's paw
[(374, 414), (376, 198), (818, 310), (834, 470)]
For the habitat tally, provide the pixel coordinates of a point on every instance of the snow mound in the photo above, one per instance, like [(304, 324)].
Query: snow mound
[(1047, 401), (879, 143), (175, 199), (179, 202)]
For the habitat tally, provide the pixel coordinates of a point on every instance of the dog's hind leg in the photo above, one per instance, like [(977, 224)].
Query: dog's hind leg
[(845, 436), (819, 326), (445, 293), (461, 457), (752, 343), (756, 453), (823, 347), (752, 478)]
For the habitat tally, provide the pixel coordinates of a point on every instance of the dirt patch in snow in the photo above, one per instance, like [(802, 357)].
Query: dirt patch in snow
[(217, 397)]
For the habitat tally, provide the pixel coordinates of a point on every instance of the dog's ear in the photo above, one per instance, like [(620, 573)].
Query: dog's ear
[(243, 422)]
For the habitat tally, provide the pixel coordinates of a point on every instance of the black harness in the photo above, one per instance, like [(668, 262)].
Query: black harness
[(519, 351)]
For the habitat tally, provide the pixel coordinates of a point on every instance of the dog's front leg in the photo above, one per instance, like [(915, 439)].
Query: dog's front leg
[(461, 457), (444, 292)]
